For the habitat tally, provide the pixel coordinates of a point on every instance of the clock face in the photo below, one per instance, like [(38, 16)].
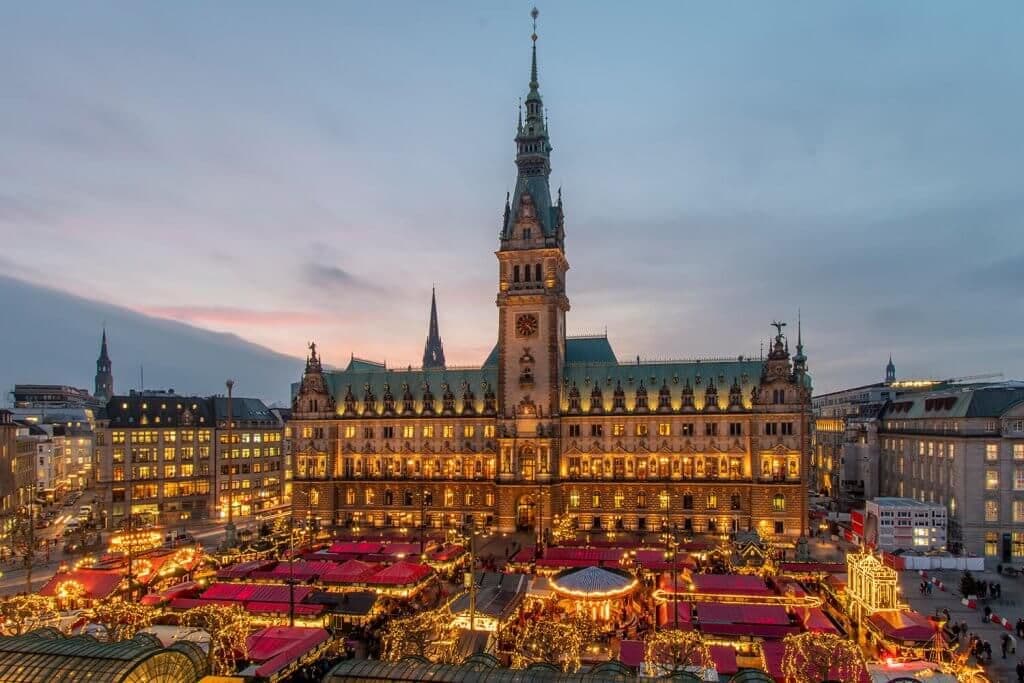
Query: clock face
[(526, 325)]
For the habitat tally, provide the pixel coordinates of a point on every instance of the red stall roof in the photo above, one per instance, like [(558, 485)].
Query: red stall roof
[(446, 554), (816, 620), (631, 652), (729, 584), (99, 584), (773, 653), (276, 647), (355, 547), (525, 554), (282, 608), (654, 560), (352, 571), (726, 613), (400, 574), (812, 567), (407, 549), (666, 620), (725, 659), (242, 570), (903, 625)]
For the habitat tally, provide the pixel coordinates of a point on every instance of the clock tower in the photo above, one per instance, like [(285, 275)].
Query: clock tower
[(532, 304)]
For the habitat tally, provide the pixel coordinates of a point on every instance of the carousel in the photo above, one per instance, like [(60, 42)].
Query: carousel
[(598, 592)]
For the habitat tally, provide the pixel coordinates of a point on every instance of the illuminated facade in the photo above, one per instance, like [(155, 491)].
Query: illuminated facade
[(551, 424), (162, 455)]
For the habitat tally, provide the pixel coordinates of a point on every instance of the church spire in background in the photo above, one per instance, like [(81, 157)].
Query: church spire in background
[(104, 388), (433, 350)]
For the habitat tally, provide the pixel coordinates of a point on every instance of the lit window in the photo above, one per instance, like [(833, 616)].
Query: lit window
[(468, 431), (408, 431), (595, 500), (664, 429), (350, 431), (991, 543), (618, 430), (991, 511), (641, 430), (663, 500), (991, 480), (779, 503), (619, 497), (1018, 451), (574, 499), (712, 501), (488, 431), (428, 431), (1018, 511), (448, 431), (991, 452)]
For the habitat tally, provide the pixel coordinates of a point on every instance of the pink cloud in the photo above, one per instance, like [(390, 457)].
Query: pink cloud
[(226, 315)]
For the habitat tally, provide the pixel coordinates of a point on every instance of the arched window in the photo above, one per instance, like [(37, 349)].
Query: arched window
[(779, 502)]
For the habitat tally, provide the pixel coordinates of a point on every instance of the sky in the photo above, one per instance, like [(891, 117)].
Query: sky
[(295, 171)]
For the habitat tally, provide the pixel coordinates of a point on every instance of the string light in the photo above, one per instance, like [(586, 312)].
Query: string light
[(427, 634), (229, 627), (674, 650), (813, 657), (556, 643), (22, 613), (121, 619)]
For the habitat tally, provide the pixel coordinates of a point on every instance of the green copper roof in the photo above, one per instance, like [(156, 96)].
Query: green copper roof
[(588, 350)]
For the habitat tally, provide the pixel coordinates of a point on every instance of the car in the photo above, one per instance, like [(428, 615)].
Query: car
[(85, 510), (42, 523)]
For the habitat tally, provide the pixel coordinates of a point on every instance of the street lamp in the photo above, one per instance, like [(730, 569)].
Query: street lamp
[(671, 555)]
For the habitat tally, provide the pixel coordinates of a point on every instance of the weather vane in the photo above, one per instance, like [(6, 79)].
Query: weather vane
[(534, 13)]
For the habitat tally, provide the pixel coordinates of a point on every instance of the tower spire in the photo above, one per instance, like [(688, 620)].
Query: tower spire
[(531, 199), (433, 350), (800, 360), (104, 384)]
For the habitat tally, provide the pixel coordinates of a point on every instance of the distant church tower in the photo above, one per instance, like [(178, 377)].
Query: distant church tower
[(890, 372), (433, 350), (104, 375)]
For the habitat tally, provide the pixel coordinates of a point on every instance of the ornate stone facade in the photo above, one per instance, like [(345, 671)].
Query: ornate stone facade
[(551, 424)]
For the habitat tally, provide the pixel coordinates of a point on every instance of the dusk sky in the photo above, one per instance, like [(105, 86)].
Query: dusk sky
[(296, 171)]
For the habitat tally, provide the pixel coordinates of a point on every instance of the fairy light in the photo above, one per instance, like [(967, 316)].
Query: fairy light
[(812, 657), (556, 643), (564, 528), (22, 613), (229, 627), (673, 650), (121, 619), (429, 634)]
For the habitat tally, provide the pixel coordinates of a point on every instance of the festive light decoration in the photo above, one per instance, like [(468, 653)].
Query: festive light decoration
[(122, 620), (564, 528), (69, 592), (228, 628), (135, 541), (555, 643), (672, 651), (22, 613), (427, 634), (871, 586), (814, 657)]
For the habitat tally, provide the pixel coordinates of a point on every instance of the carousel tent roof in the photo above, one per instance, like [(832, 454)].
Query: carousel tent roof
[(593, 581)]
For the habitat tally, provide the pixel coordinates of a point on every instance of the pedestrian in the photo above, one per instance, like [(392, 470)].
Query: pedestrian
[(1020, 671), (1004, 644), (988, 614), (988, 651)]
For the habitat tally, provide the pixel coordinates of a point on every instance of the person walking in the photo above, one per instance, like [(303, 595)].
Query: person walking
[(1020, 671), (1004, 644)]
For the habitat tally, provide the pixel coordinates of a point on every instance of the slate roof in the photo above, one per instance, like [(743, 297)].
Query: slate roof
[(980, 400), (137, 410), (250, 410)]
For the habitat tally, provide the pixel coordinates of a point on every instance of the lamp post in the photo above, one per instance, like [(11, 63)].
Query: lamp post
[(423, 520), (671, 554), (230, 538), (470, 576)]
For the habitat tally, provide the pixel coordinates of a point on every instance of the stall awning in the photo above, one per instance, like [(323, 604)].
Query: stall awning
[(904, 625), (730, 584), (400, 574)]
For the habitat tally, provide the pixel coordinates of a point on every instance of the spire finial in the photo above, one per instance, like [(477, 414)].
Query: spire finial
[(520, 129), (533, 69)]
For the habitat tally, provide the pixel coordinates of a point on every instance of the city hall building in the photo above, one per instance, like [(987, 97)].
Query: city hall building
[(551, 424)]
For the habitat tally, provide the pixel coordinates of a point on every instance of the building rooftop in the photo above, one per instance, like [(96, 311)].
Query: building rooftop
[(957, 401), (903, 502)]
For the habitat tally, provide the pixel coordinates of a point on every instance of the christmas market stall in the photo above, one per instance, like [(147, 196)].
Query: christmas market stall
[(276, 652), (601, 593)]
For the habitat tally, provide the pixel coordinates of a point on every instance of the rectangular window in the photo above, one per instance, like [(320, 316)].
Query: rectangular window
[(350, 431), (574, 430), (710, 429), (687, 429), (1018, 544), (641, 430), (664, 429), (448, 432), (468, 431), (1018, 451), (1018, 511), (408, 431), (595, 500), (488, 431), (618, 430), (991, 480), (388, 432), (712, 501), (991, 543), (1018, 478), (991, 511), (787, 428), (574, 499), (367, 432), (428, 431), (619, 498), (735, 429), (771, 428), (596, 430), (991, 452)]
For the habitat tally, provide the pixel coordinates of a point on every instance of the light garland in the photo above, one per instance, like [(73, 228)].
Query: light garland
[(671, 651), (229, 627), (121, 619), (814, 657), (22, 613), (70, 591), (564, 528), (135, 541), (429, 634), (556, 643)]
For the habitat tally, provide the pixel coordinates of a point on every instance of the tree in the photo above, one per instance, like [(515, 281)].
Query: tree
[(229, 627), (815, 657), (122, 620), (557, 643), (23, 543), (672, 651), (23, 613), (427, 634)]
